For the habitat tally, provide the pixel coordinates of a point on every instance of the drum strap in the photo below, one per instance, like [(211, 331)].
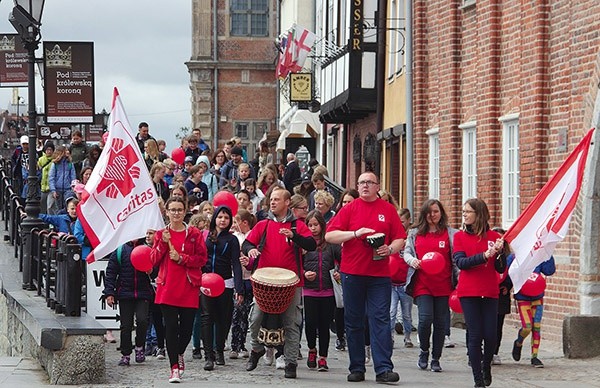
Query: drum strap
[(296, 251), (260, 246)]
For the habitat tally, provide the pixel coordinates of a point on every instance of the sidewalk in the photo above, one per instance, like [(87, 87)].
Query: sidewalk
[(558, 371)]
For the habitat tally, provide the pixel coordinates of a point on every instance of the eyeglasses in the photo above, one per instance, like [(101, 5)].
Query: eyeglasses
[(366, 183), (468, 211), (177, 210)]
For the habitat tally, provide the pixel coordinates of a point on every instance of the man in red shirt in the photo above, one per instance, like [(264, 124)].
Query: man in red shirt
[(282, 248), (366, 276)]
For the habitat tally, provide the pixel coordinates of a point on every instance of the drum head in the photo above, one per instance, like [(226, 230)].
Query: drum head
[(274, 276)]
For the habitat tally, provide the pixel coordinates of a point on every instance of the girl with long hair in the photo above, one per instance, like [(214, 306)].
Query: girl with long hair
[(61, 174)]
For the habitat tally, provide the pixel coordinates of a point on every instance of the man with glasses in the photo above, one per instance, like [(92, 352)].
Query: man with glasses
[(366, 282)]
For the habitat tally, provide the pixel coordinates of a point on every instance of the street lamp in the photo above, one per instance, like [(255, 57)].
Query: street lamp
[(26, 18)]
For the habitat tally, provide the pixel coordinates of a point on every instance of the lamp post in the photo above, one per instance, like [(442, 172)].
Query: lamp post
[(26, 18)]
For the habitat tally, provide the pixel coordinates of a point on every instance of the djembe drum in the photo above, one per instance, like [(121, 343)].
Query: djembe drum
[(375, 241), (274, 289)]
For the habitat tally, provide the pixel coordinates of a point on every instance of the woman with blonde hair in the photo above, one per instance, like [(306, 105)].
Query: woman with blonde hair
[(152, 153), (324, 203), (266, 180)]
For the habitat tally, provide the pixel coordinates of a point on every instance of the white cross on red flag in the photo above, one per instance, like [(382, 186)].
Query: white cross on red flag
[(119, 202)]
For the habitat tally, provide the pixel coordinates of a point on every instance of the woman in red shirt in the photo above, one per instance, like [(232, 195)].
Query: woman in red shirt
[(476, 249), (179, 252), (430, 291)]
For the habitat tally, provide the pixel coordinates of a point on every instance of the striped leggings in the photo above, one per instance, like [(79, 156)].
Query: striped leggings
[(530, 313)]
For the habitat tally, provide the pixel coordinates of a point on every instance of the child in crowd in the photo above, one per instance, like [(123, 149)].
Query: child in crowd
[(169, 171), (63, 222), (243, 174), (132, 289), (255, 194), (187, 166), (243, 198)]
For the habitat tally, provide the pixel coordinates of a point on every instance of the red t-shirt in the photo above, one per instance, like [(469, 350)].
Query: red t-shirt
[(439, 284), (278, 251), (357, 254), (481, 280)]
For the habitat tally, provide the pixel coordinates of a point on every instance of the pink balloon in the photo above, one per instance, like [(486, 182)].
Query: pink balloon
[(454, 302), (178, 156), (213, 284), (140, 258), (432, 263), (226, 198), (534, 286)]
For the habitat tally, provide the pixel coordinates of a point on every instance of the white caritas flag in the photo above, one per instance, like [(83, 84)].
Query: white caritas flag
[(119, 202), (545, 221), (302, 45)]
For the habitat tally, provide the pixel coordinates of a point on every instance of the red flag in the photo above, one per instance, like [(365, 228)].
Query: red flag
[(119, 202), (545, 221)]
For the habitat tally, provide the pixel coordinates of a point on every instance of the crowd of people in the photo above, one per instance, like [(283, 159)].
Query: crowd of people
[(357, 256)]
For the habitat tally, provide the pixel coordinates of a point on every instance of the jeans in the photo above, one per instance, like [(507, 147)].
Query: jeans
[(432, 310), (197, 327), (406, 301), (481, 315), (291, 319), (368, 296), (127, 309)]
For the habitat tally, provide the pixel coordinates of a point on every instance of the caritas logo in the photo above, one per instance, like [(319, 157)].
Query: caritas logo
[(120, 170)]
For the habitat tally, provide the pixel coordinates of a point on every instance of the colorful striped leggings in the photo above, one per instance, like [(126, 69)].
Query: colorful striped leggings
[(531, 320)]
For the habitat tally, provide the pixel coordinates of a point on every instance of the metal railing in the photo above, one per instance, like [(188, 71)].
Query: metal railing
[(56, 265)]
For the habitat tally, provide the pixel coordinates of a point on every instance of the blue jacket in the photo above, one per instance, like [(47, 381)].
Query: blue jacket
[(547, 268), (79, 233), (123, 281), (62, 222), (61, 175), (210, 180)]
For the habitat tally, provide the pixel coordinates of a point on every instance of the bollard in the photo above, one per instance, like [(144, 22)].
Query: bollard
[(73, 270)]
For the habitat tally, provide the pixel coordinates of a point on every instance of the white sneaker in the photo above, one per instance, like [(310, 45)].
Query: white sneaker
[(268, 357), (175, 376), (280, 362), (448, 343), (367, 355), (496, 360)]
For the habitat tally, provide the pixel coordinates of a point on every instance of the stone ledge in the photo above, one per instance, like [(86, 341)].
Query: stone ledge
[(580, 338)]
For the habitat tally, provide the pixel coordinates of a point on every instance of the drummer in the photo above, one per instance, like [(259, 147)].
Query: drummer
[(274, 243), (366, 279)]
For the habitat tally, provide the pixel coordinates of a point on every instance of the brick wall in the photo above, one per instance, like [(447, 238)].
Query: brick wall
[(540, 60)]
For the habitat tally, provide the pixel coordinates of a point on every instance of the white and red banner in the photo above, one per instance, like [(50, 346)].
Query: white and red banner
[(119, 202), (545, 221), (294, 50)]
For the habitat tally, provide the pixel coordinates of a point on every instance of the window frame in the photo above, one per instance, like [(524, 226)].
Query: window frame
[(249, 12), (469, 159), (511, 169), (434, 162)]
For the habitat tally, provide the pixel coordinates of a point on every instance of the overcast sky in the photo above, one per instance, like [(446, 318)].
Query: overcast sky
[(140, 46)]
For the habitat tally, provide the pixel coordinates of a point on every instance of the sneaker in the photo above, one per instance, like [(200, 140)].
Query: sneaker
[(150, 350), (181, 364), (311, 361), (139, 354), (322, 365), (290, 370), (423, 360), (355, 377), (516, 351), (367, 355), (448, 343), (219, 358), (160, 353), (268, 356), (535, 362), (496, 360), (124, 361), (253, 359), (435, 366), (387, 377), (233, 355), (175, 375), (245, 353), (399, 329), (408, 343), (412, 328), (340, 344), (197, 354), (280, 362)]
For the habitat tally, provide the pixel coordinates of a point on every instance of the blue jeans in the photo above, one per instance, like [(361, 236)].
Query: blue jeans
[(432, 310), (368, 296), (406, 301), (481, 315)]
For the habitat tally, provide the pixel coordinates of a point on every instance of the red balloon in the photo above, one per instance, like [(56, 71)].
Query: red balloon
[(213, 284), (178, 155), (432, 263), (140, 258), (534, 286), (397, 266), (454, 302), (226, 198)]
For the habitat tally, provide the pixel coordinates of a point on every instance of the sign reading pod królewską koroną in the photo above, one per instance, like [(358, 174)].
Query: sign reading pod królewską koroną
[(13, 62), (69, 82)]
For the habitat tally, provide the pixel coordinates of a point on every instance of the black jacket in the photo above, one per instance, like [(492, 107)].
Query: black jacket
[(291, 176), (123, 281), (321, 261)]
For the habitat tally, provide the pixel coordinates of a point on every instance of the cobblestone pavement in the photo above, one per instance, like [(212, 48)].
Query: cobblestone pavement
[(558, 371)]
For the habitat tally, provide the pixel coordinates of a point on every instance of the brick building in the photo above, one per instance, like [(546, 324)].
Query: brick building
[(232, 70), (503, 91)]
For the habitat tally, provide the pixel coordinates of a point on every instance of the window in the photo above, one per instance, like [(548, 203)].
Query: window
[(249, 18), (393, 24), (469, 160), (260, 128), (510, 170), (241, 130), (434, 162)]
